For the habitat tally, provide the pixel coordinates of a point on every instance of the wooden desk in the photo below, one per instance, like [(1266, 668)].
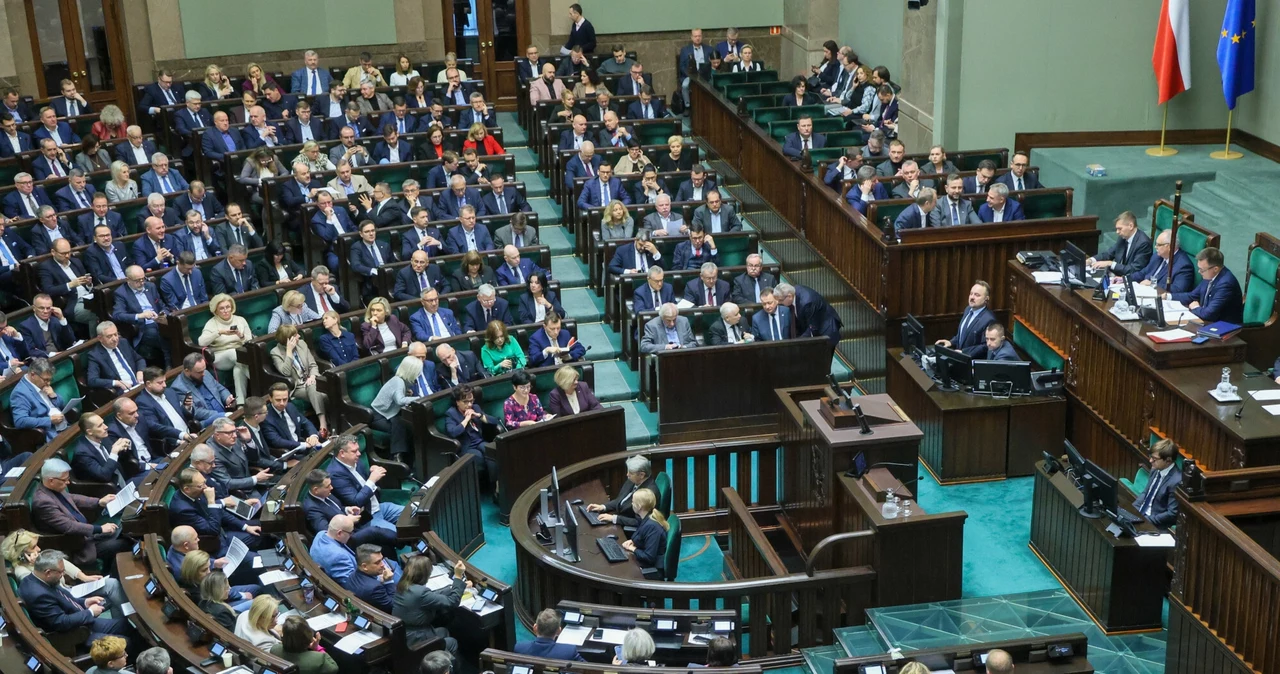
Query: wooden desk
[(527, 454), (894, 443), (968, 437), (1122, 387), (591, 558), (1118, 582), (674, 649)]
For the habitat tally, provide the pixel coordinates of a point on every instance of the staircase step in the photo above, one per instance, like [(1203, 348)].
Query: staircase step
[(555, 236), (582, 304), (604, 342), (860, 640), (840, 370), (536, 186), (642, 425), (512, 134), (614, 381), (569, 271), (821, 659), (526, 160)]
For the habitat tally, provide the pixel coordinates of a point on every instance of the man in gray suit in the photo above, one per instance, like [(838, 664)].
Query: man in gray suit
[(717, 216), (669, 330), (233, 466), (748, 286), (911, 183), (954, 209), (663, 221), (506, 234)]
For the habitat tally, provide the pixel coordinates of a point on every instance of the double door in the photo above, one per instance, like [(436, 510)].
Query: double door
[(492, 33), (81, 41)]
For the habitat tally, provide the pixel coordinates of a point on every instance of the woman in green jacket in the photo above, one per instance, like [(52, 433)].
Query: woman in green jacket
[(301, 645), (500, 353)]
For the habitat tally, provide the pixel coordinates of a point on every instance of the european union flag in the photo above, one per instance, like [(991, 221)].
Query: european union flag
[(1235, 50)]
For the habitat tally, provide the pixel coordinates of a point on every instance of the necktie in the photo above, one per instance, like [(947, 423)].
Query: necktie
[(517, 274), (32, 205), (519, 239), (164, 184), (642, 263), (125, 367), (315, 83), (604, 194), (1159, 275), (502, 206), (80, 199), (806, 144), (422, 282), (168, 96), (72, 109), (838, 85), (57, 168), (423, 387), (377, 256), (656, 304), (239, 283), (1124, 259), (1151, 493), (5, 255), (438, 329), (1017, 184), (186, 284), (324, 302), (711, 297), (955, 213), (756, 283), (648, 112), (773, 326), (196, 119)]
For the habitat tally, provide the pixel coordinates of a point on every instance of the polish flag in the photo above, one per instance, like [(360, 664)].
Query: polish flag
[(1171, 58)]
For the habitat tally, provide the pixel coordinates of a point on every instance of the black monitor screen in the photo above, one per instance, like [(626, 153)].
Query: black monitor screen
[(953, 365), (912, 335), (1072, 261), (1002, 377), (1074, 458), (1103, 485)]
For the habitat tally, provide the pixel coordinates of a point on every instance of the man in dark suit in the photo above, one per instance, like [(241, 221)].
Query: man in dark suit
[(999, 207), (487, 307), (100, 214), (953, 209), (416, 277), (774, 321), (916, 216), (350, 119), (887, 121), (12, 104), (169, 416), (697, 186), (55, 610), (1218, 296), (65, 279), (285, 427), (529, 67), (304, 126), (983, 178), (573, 63), (367, 256), (56, 510), (45, 319), (356, 484), (449, 204), (1158, 502), (813, 316), (54, 129), (502, 200), (200, 200), (138, 303), (155, 248), (261, 133), (164, 91), (320, 506), (603, 106), (191, 119), (25, 201), (373, 581), (729, 329), (648, 107), (468, 236), (1156, 273), (13, 250), (635, 82), (146, 444), (136, 150), (303, 189), (12, 141), (433, 321), (197, 238), (654, 293), (585, 164), (52, 161), (49, 229), (803, 138), (113, 364), (546, 629), (700, 248), (276, 103), (708, 290), (1019, 178), (456, 92), (716, 216), (1131, 252), (329, 223), (71, 103), (76, 194), (747, 286), (380, 207), (626, 260), (994, 345), (399, 118), (321, 295), (973, 324), (422, 236), (602, 189), (183, 286), (235, 466), (205, 389), (195, 505), (221, 140), (573, 138), (478, 113), (553, 345), (516, 270), (237, 228), (233, 275), (457, 367), (618, 510), (168, 216), (97, 456)]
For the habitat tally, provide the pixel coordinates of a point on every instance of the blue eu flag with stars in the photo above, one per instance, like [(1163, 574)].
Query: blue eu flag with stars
[(1235, 50)]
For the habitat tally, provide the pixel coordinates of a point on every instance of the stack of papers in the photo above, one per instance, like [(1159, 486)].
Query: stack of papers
[(1273, 409), (1048, 277), (273, 577), (1175, 335), (325, 621), (354, 642), (1269, 394), (123, 498), (1156, 541), (85, 589), (575, 634)]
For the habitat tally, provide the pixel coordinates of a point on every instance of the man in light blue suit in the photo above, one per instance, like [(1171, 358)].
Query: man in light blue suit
[(431, 321), (774, 322), (357, 485), (183, 286), (34, 403), (331, 551), (204, 389), (160, 179), (310, 80)]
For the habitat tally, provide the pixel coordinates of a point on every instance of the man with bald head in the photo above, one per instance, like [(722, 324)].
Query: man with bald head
[(65, 279), (136, 150), (417, 277), (449, 204), (184, 539), (1156, 273), (220, 140), (585, 164), (155, 248), (144, 442), (457, 367), (514, 269), (259, 132)]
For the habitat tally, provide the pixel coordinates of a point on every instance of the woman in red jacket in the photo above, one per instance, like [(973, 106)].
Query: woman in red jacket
[(478, 138)]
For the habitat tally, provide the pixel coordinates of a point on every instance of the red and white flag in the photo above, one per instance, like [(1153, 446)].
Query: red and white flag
[(1171, 58)]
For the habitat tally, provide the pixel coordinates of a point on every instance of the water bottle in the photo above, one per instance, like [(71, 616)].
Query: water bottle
[(889, 509)]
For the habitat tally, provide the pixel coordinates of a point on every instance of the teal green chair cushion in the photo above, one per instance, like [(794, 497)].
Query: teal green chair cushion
[(1260, 289), (1191, 240), (363, 383), (1041, 206), (662, 482), (1036, 348), (672, 560)]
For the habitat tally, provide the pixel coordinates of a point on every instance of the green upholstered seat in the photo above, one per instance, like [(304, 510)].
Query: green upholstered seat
[(1191, 240), (761, 101), (363, 383), (734, 90), (1049, 205), (764, 76), (672, 560), (1035, 348), (887, 213), (774, 87), (657, 133), (662, 482), (64, 379), (1163, 216), (1260, 286), (195, 323), (256, 311), (129, 214), (733, 250), (763, 116), (969, 160), (721, 81), (841, 139)]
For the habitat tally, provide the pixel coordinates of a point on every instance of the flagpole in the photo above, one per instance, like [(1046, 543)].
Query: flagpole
[(1227, 153), (1162, 151)]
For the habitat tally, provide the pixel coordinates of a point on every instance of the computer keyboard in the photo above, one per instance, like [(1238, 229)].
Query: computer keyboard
[(612, 549), (590, 517), (1130, 517)]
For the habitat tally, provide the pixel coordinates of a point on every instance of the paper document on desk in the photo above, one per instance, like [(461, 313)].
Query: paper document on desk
[(85, 589), (325, 621), (684, 304), (1273, 409), (439, 582), (236, 553), (612, 636), (127, 609), (122, 500), (576, 635), (15, 472), (1177, 312), (73, 404), (1175, 335), (352, 643), (1269, 394), (1048, 277), (1156, 541), (273, 577)]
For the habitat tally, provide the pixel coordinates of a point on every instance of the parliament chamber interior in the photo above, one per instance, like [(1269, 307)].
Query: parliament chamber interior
[(529, 337)]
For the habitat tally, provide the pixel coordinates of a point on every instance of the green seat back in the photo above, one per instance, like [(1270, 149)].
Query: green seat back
[(842, 139), (663, 483), (100, 181), (363, 383), (8, 169), (970, 160), (765, 115), (1035, 348), (733, 250), (440, 407), (886, 214), (673, 547), (1041, 206), (766, 101), (129, 215), (1191, 240), (721, 81), (829, 153), (195, 323), (167, 496), (657, 134), (256, 311), (763, 76), (1260, 296), (394, 174), (1163, 217), (64, 379), (6, 404), (774, 87), (735, 90)]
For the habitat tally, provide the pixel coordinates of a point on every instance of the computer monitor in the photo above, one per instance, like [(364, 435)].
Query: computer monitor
[(1075, 460), (1151, 309), (569, 523), (1002, 377), (953, 368), (1071, 261), (555, 493), (912, 336), (1099, 491), (1130, 297)]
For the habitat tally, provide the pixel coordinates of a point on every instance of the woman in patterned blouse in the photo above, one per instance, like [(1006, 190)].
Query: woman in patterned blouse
[(522, 408)]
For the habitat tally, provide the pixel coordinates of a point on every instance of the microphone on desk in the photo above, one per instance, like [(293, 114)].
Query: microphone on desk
[(1241, 410), (862, 420)]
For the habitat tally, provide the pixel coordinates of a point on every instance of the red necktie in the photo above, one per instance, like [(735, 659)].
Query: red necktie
[(711, 298)]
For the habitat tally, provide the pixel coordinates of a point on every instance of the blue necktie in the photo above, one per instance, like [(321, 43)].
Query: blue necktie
[(9, 261), (128, 370), (315, 83)]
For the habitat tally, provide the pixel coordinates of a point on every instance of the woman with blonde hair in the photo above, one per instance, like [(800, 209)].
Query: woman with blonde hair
[(292, 358), (675, 159), (450, 61), (109, 655), (111, 124), (381, 330), (254, 78), (121, 187), (637, 648), (313, 158), (649, 542), (195, 566), (223, 334), (500, 353), (616, 222), (293, 310), (571, 395), (20, 549), (215, 86), (404, 71), (480, 140), (214, 590), (258, 624)]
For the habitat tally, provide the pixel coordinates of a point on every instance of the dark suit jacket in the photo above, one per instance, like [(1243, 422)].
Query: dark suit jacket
[(371, 338), (40, 241), (222, 280), (102, 369), (185, 124), (91, 466), (52, 514), (68, 136), (590, 196), (527, 267), (911, 217), (174, 294), (361, 126), (362, 261), (456, 240), (540, 340), (215, 146), (469, 370), (382, 152), (975, 333), (621, 506), (124, 152), (126, 307), (1184, 273), (59, 105), (971, 186), (170, 219), (558, 403), (370, 589), (642, 298), (718, 333), (696, 292), (814, 316), (158, 421), (52, 608), (6, 147), (66, 201), (1220, 300), (447, 205), (685, 193), (152, 97), (54, 282), (576, 169), (743, 289), (42, 167), (470, 116), (13, 207), (424, 329), (1164, 502), (86, 223), (627, 87), (527, 313), (63, 338), (981, 352), (1139, 252), (636, 111), (792, 146), (408, 287), (186, 241), (624, 258), (1030, 180), (473, 315), (254, 139), (275, 431), (212, 207), (1012, 212), (548, 648), (319, 131), (208, 522), (515, 202), (685, 258)]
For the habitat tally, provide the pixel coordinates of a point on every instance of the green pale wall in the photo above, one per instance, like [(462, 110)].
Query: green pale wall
[(250, 26), (1046, 65), (610, 16), (1255, 112), (874, 29)]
